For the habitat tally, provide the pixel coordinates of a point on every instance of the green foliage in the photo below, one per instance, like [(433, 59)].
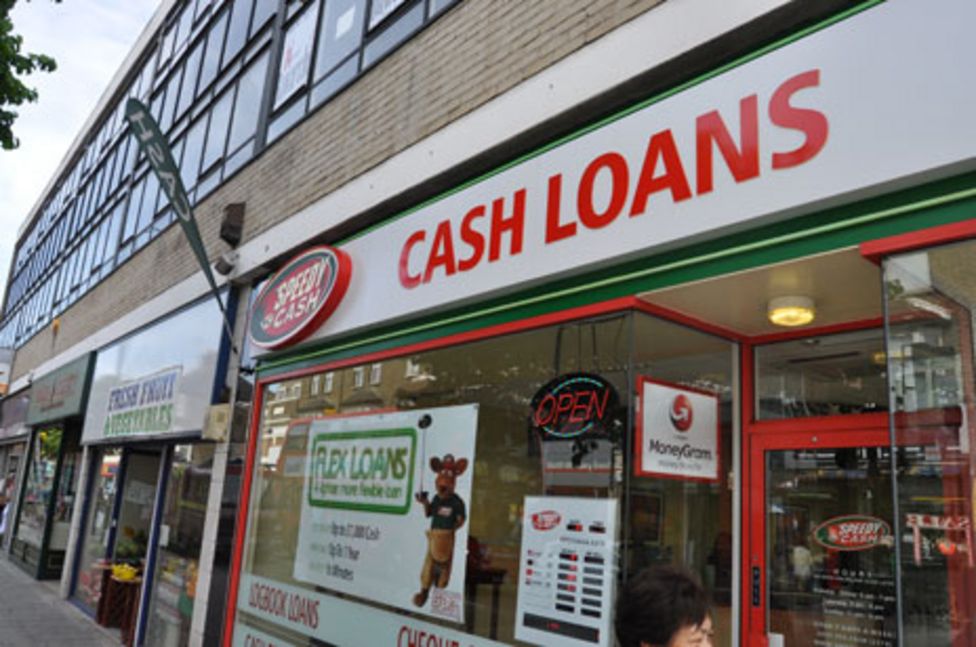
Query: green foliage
[(15, 64)]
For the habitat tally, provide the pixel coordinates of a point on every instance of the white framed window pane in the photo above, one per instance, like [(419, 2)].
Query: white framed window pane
[(296, 56)]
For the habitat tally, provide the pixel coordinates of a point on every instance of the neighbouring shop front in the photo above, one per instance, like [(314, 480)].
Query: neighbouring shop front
[(14, 434), (149, 472), (50, 477), (729, 329)]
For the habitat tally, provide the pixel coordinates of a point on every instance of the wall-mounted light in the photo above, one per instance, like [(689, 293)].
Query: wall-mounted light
[(791, 311)]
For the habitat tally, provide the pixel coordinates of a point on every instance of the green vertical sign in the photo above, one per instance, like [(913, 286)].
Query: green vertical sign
[(154, 145)]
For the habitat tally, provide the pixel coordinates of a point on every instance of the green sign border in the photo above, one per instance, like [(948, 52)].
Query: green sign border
[(371, 433)]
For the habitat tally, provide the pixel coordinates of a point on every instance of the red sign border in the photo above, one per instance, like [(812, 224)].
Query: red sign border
[(340, 285), (639, 470)]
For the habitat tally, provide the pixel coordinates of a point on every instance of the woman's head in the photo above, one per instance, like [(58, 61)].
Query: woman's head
[(663, 606)]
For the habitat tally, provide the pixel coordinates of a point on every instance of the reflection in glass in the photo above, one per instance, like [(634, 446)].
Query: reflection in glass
[(931, 295), (39, 487), (822, 376), (180, 536), (830, 560), (684, 521), (248, 104), (340, 33), (92, 562), (135, 511), (667, 521)]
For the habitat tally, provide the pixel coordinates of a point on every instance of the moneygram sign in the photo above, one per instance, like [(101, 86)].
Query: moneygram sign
[(371, 471), (300, 297), (677, 432)]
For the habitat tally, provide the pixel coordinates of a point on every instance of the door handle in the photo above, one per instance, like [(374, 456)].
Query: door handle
[(756, 586)]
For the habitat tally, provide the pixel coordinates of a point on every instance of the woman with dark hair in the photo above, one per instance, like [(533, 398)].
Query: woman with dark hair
[(664, 606)]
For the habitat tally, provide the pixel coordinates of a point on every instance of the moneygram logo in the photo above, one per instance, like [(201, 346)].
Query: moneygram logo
[(681, 413)]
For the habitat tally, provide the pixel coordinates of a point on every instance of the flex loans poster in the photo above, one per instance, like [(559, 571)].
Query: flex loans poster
[(385, 508), (677, 432), (567, 572)]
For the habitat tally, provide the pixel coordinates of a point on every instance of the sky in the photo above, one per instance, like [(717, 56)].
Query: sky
[(89, 39)]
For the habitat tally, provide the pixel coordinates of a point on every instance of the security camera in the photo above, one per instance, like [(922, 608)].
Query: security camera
[(226, 263)]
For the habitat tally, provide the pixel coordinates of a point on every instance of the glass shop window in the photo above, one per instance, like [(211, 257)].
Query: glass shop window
[(93, 567), (931, 298), (406, 500), (822, 376), (39, 488), (180, 542)]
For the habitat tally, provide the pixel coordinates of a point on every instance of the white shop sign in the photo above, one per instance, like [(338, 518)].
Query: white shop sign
[(158, 382), (856, 109)]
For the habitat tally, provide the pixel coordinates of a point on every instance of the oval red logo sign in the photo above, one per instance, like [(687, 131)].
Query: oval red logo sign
[(681, 413), (300, 297), (545, 520), (853, 532)]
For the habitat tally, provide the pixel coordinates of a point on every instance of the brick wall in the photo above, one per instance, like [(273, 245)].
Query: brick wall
[(476, 51)]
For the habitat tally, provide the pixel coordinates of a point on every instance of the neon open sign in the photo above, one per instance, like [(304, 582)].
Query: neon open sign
[(572, 405)]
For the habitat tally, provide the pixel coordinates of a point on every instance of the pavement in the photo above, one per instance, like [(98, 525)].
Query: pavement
[(32, 614)]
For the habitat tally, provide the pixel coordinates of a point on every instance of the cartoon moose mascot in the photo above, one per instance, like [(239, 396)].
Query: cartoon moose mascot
[(447, 514)]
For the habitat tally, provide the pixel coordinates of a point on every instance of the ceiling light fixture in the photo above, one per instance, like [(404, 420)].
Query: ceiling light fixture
[(791, 311)]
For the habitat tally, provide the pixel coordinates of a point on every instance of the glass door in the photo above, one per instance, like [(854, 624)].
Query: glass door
[(821, 539), (93, 565)]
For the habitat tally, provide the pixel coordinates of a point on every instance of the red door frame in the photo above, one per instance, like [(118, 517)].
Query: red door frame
[(864, 430)]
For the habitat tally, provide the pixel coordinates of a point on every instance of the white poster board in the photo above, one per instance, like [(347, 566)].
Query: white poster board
[(296, 56), (567, 571), (363, 531), (677, 432)]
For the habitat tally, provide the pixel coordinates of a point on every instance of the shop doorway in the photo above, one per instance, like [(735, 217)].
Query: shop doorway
[(135, 512), (116, 530), (820, 540)]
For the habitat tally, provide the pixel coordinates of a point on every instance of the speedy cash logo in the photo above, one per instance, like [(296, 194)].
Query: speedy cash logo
[(681, 413), (300, 297), (853, 532), (545, 520)]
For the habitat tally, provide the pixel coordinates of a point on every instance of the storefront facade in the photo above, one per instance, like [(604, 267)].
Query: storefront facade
[(729, 328), (48, 488), (14, 434), (149, 461)]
